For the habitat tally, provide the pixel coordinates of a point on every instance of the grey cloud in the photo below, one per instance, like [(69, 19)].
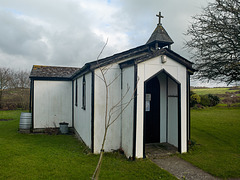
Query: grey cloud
[(68, 38), (19, 37), (177, 17), (64, 34)]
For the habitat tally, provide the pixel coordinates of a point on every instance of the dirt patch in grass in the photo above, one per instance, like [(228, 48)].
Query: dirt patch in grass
[(6, 119)]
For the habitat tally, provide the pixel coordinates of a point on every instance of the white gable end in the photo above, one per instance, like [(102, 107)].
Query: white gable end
[(52, 103)]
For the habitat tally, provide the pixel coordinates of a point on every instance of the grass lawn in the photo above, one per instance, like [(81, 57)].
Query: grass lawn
[(38, 156), (217, 134)]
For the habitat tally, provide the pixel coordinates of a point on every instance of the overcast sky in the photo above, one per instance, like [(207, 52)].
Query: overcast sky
[(72, 32)]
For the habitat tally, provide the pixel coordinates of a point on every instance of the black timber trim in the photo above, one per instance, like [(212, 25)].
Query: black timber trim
[(167, 108), (84, 70), (120, 56), (30, 98), (73, 104), (166, 73), (191, 72), (84, 93), (51, 78), (172, 95), (111, 59), (156, 44), (92, 112), (188, 108), (179, 120), (144, 119), (164, 51), (76, 92), (178, 58), (32, 103), (160, 107), (127, 63), (135, 111)]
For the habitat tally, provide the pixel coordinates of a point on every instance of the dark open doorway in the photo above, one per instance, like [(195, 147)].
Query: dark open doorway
[(152, 111)]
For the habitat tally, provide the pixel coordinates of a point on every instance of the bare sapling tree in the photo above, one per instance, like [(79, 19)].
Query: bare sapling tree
[(20, 79), (112, 113), (5, 77), (12, 79)]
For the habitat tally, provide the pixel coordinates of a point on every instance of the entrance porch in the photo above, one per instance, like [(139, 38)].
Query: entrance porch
[(162, 114)]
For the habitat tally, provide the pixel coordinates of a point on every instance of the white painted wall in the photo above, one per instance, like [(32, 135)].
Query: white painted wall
[(173, 121), (163, 106), (113, 140), (82, 118), (146, 70), (52, 103), (172, 113), (128, 113)]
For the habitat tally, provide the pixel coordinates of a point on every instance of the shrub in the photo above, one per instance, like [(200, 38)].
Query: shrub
[(205, 101), (209, 100), (194, 99), (214, 100)]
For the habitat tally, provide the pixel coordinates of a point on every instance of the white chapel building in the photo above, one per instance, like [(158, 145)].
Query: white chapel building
[(149, 90)]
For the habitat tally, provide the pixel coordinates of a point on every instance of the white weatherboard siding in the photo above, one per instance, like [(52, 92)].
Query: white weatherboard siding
[(127, 114), (52, 103), (113, 139), (82, 118), (146, 70)]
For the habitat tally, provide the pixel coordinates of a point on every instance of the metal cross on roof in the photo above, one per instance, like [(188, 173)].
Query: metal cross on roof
[(159, 16)]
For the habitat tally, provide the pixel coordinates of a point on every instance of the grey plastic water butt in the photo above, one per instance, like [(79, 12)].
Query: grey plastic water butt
[(63, 127), (25, 121)]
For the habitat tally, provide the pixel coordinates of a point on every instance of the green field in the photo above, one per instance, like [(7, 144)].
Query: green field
[(217, 134), (40, 156), (228, 96), (203, 91)]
